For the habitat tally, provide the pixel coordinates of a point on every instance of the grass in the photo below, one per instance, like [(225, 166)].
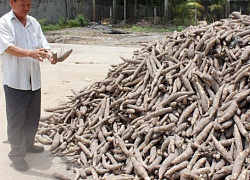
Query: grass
[(80, 21), (150, 28), (156, 29)]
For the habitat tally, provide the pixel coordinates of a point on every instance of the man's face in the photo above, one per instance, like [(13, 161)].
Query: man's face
[(20, 7)]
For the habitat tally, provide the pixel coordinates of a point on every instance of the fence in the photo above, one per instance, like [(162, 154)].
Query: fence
[(106, 12), (52, 10)]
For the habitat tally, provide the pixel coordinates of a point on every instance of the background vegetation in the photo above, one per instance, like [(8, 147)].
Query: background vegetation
[(63, 23), (183, 12), (170, 13)]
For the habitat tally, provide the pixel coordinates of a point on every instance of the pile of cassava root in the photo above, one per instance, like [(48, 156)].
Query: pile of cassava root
[(178, 109)]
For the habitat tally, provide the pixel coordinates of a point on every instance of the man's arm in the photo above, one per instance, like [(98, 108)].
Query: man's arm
[(38, 54)]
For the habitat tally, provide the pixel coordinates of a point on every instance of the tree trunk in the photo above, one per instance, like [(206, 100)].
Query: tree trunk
[(114, 19), (94, 10), (166, 18), (135, 10), (155, 15), (125, 11), (227, 8), (195, 16)]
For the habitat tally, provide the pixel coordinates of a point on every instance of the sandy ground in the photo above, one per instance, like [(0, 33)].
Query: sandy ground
[(89, 62), (102, 35)]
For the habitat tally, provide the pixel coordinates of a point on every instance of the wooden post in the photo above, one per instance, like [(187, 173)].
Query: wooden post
[(66, 8), (228, 8), (111, 14), (165, 10), (154, 15), (94, 11), (114, 12), (125, 11), (195, 16)]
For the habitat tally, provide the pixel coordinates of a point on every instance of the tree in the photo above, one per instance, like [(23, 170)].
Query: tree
[(114, 14), (166, 10), (227, 8), (94, 12), (187, 12), (125, 11), (216, 9), (135, 8)]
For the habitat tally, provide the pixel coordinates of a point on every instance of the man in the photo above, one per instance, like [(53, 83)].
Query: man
[(22, 47)]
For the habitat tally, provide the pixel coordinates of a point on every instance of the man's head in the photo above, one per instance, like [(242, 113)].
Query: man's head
[(20, 8)]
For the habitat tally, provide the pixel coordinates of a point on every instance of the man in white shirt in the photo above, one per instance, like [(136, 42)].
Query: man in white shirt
[(22, 47)]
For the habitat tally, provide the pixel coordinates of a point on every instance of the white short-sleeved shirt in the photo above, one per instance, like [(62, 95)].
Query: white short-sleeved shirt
[(21, 72)]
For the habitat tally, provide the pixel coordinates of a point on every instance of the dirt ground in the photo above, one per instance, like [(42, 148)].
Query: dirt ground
[(102, 35), (94, 50)]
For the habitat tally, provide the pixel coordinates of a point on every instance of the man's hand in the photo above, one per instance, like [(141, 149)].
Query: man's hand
[(39, 54), (52, 57)]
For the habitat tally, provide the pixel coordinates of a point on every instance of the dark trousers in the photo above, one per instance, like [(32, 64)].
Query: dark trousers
[(23, 110)]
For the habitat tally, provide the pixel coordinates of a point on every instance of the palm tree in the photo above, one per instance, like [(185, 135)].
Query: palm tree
[(188, 11), (170, 6), (216, 9)]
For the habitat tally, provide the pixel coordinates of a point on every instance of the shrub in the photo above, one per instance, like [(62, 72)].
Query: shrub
[(63, 22)]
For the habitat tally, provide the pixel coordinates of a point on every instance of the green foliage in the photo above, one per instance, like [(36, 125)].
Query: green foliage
[(155, 29), (79, 21), (148, 29), (216, 11), (48, 27), (42, 22), (63, 22), (187, 10), (180, 28), (181, 21)]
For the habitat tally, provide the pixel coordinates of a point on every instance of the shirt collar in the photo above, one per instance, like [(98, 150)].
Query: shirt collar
[(13, 16)]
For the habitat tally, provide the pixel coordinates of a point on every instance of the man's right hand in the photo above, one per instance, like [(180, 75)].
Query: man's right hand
[(39, 54)]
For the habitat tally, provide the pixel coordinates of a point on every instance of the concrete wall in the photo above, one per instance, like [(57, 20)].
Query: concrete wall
[(4, 7), (51, 10)]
